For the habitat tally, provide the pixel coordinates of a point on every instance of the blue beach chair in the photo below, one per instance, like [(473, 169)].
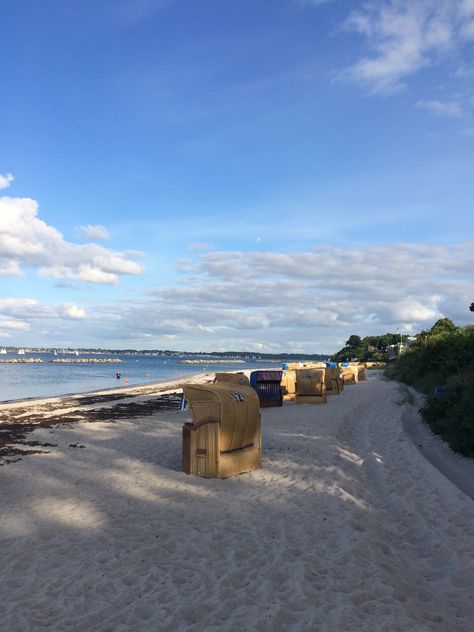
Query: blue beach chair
[(267, 384)]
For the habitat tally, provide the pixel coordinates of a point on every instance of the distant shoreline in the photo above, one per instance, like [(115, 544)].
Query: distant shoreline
[(61, 361)]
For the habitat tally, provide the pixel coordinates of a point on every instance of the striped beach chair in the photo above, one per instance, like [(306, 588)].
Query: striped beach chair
[(267, 384)]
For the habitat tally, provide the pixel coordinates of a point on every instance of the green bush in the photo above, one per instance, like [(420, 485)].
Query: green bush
[(443, 355), (452, 415)]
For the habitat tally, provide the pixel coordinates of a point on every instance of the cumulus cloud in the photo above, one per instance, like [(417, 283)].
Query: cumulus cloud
[(308, 300), (10, 268), (289, 301), (70, 310), (95, 233), (26, 241), (6, 180), (24, 314)]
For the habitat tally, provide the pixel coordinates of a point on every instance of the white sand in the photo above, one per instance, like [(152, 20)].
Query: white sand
[(346, 527)]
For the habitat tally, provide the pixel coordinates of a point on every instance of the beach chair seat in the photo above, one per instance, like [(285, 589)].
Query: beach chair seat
[(311, 386), (232, 378), (224, 437), (267, 385)]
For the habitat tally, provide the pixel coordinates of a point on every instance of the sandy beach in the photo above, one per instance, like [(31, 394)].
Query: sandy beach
[(359, 519)]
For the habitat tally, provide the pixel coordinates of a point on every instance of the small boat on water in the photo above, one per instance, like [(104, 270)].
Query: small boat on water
[(3, 351), (21, 352)]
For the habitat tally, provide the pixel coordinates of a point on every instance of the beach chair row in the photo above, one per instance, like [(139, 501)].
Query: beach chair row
[(224, 437)]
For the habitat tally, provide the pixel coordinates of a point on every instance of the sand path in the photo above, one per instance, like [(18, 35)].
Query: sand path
[(346, 527)]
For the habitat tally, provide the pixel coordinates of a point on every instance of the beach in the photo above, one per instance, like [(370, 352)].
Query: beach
[(358, 520)]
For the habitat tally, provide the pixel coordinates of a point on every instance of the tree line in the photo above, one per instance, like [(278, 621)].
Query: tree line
[(370, 348)]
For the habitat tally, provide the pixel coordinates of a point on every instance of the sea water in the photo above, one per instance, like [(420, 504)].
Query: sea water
[(47, 379)]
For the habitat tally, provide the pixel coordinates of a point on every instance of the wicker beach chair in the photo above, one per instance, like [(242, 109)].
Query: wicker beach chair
[(350, 374), (288, 385), (333, 381), (311, 386), (293, 366), (267, 385), (232, 378), (224, 437)]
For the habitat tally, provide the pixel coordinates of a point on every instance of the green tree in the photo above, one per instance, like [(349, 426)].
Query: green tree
[(353, 342), (444, 327)]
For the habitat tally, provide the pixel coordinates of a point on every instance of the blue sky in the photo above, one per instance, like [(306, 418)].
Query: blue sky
[(272, 175)]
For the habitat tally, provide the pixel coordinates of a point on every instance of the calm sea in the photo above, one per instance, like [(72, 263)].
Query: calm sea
[(19, 381)]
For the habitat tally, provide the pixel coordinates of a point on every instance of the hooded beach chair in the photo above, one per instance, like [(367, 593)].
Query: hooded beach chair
[(288, 385), (267, 385), (224, 437), (350, 374), (333, 381), (232, 378), (311, 386)]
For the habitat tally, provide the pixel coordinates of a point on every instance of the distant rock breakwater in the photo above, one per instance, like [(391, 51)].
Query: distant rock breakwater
[(62, 361), (212, 361), (86, 360)]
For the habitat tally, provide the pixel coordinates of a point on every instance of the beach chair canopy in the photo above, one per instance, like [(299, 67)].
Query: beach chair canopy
[(257, 377), (233, 378), (235, 407), (267, 385), (310, 381)]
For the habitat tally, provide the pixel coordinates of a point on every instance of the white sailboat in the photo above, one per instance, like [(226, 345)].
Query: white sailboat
[(21, 352), (3, 351)]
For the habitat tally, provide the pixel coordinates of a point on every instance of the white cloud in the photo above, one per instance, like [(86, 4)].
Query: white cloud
[(25, 314), (72, 311), (95, 275), (405, 36), (10, 268), (6, 180), (467, 30), (8, 323), (451, 109), (199, 245), (95, 233), (302, 301), (29, 242)]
